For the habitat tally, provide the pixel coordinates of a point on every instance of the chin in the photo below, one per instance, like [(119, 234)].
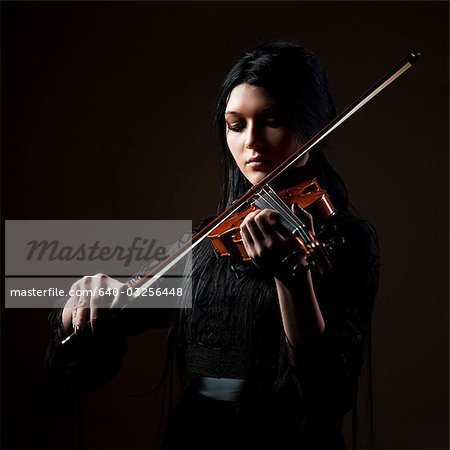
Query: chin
[(255, 178)]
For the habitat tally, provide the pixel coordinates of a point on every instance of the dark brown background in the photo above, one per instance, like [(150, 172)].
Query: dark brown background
[(106, 114)]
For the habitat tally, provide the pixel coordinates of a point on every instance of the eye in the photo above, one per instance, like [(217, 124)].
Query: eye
[(274, 122), (236, 126)]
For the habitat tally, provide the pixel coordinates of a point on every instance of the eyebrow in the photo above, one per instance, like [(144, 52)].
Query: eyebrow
[(237, 113)]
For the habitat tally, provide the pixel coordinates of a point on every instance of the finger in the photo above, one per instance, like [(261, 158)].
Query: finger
[(101, 298), (247, 240), (95, 300), (121, 299), (253, 228), (81, 303), (304, 216), (75, 326), (74, 302), (94, 312), (82, 309), (273, 230), (245, 234)]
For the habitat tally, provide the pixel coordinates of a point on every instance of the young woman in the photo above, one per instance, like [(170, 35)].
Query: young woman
[(269, 356)]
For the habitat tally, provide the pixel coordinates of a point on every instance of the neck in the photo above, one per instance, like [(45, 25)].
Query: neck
[(292, 177)]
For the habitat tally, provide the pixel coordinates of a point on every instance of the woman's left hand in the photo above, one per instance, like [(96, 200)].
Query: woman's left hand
[(267, 241)]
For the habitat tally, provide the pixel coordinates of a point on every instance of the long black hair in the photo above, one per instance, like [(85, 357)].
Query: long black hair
[(296, 79)]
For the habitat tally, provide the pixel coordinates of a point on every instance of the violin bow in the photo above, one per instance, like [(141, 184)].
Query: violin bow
[(158, 271), (149, 278)]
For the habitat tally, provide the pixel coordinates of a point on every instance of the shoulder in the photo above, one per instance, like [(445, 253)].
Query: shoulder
[(355, 261), (350, 226), (352, 238), (203, 223), (188, 235)]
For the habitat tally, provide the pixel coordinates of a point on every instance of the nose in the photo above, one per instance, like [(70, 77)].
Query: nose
[(253, 138)]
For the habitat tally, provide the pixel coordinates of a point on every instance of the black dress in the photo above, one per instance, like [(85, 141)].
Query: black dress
[(234, 331)]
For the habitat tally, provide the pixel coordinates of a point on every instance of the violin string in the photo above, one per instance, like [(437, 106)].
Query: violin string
[(276, 202), (279, 206), (283, 209), (299, 226), (289, 214)]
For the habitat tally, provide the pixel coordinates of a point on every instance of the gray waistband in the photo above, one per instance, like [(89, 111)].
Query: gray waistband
[(225, 389)]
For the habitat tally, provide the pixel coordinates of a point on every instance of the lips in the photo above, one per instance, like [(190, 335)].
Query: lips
[(257, 162)]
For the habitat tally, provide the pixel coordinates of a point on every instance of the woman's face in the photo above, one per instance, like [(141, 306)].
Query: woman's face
[(256, 133)]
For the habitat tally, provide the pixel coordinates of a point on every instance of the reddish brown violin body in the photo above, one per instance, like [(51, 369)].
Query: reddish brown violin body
[(227, 239)]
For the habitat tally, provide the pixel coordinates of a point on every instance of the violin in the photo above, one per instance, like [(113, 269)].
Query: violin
[(226, 237)]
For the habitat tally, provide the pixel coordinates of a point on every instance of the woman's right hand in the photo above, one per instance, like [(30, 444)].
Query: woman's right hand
[(92, 302)]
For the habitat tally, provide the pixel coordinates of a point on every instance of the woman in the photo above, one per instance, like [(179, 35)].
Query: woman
[(269, 355)]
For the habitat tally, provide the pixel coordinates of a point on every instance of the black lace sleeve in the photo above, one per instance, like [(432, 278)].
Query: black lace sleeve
[(328, 368), (82, 364), (89, 361)]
